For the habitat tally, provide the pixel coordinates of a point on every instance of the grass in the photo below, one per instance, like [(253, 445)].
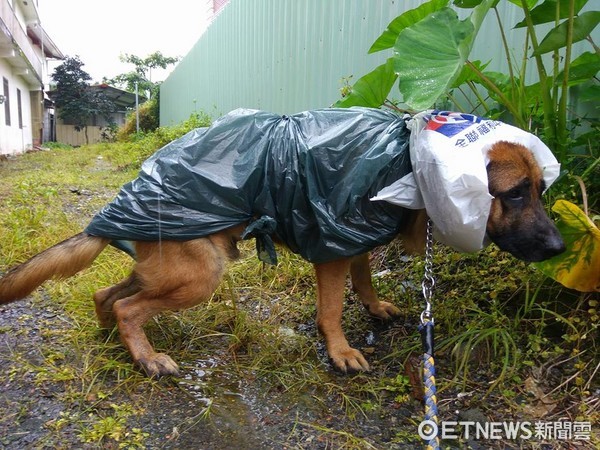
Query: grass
[(498, 323)]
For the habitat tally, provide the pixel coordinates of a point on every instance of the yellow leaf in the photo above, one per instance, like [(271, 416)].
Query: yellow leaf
[(579, 266)]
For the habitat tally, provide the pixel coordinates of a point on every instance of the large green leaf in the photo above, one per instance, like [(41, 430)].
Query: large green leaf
[(591, 94), (410, 17), (546, 12), (431, 53), (557, 37), (467, 4), (582, 69), (579, 266), (372, 89), (468, 74)]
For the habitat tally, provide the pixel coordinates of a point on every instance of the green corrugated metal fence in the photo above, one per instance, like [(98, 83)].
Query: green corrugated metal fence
[(287, 56), (280, 55)]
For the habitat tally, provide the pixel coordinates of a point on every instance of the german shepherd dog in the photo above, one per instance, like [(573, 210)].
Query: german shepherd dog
[(174, 275)]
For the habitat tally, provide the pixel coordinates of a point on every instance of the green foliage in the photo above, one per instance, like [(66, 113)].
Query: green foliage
[(497, 318), (131, 150), (578, 267), (372, 89), (430, 48), (149, 119), (431, 60), (427, 67), (142, 73), (57, 145), (109, 133), (431, 64), (573, 30), (547, 11), (71, 76), (405, 20), (75, 101), (102, 429)]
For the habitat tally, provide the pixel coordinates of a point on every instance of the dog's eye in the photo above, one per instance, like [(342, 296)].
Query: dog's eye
[(515, 194)]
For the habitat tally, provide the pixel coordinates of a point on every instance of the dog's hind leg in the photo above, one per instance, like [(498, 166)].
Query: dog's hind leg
[(331, 280), (362, 284), (172, 276), (104, 299), (131, 314)]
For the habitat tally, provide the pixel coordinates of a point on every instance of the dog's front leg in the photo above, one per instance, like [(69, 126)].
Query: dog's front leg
[(360, 271), (331, 280)]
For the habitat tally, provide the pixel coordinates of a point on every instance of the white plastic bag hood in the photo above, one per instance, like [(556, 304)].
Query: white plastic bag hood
[(448, 152)]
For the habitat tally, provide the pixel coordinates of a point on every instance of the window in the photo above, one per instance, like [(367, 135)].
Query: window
[(6, 102), (19, 108)]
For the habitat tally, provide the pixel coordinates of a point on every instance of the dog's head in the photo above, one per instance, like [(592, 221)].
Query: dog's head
[(518, 222)]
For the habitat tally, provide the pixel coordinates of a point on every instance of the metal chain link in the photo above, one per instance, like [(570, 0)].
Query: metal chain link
[(428, 280)]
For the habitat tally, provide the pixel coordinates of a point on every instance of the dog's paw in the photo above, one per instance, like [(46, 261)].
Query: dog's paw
[(349, 360), (159, 365), (107, 322), (383, 310)]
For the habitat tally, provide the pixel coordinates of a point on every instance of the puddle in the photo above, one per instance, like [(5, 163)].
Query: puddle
[(230, 403)]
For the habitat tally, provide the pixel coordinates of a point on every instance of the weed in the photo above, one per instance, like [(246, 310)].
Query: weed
[(113, 427), (131, 150)]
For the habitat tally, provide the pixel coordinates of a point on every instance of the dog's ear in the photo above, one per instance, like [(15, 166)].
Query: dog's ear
[(511, 164)]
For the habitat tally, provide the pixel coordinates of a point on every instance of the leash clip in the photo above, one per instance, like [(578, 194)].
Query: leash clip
[(426, 317)]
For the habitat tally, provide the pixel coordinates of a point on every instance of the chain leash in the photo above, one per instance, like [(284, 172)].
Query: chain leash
[(428, 281), (431, 429)]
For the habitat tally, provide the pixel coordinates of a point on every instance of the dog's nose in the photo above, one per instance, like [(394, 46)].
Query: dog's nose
[(554, 245)]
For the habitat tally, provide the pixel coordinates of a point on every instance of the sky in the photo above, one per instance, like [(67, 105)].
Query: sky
[(99, 31)]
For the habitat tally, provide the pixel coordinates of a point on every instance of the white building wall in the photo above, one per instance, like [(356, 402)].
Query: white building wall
[(13, 138)]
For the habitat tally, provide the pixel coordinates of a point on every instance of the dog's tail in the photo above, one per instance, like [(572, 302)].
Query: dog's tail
[(60, 261)]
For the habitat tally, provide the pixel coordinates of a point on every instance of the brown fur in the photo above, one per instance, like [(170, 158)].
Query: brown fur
[(177, 275), (59, 261)]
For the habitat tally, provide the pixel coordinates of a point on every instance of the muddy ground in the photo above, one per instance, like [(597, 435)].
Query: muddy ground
[(245, 414)]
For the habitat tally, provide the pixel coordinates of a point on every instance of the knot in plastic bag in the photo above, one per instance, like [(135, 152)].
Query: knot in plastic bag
[(261, 229)]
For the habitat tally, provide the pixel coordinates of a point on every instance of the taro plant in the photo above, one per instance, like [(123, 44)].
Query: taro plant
[(431, 48)]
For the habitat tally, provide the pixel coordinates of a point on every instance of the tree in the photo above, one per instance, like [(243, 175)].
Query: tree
[(75, 101), (142, 74)]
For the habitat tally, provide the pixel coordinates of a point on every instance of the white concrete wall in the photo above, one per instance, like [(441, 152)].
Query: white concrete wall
[(14, 139)]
